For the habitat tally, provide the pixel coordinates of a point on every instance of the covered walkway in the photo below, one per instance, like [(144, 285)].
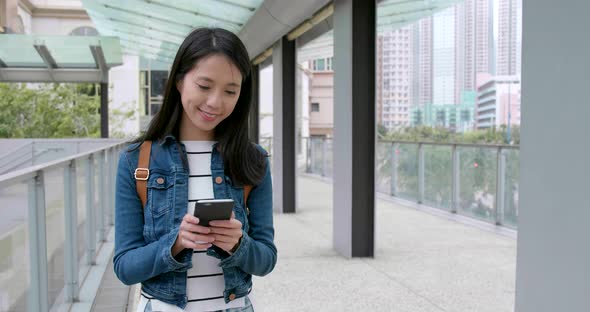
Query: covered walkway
[(423, 262)]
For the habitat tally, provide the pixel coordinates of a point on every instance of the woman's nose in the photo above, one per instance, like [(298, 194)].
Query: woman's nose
[(214, 100)]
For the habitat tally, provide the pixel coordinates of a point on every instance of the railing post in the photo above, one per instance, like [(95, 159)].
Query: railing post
[(71, 233), (90, 211), (324, 158), (102, 200), (420, 173), (111, 186), (308, 164), (115, 162), (38, 298), (312, 156), (456, 180), (394, 160), (500, 186)]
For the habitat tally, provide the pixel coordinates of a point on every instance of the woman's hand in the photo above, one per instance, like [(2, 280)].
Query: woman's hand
[(192, 235), (226, 233)]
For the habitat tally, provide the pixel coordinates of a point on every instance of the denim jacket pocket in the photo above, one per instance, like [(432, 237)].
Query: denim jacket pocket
[(160, 203), (160, 194)]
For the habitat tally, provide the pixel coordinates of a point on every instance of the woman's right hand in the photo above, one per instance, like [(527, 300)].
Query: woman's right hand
[(192, 235)]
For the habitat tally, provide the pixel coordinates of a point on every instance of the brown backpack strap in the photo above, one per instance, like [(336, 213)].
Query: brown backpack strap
[(142, 173)]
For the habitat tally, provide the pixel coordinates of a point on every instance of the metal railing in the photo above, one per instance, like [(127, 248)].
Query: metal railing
[(475, 180), (22, 153), (55, 219)]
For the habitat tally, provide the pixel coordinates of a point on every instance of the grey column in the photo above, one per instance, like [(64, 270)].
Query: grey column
[(283, 152), (104, 109), (254, 119), (354, 127), (552, 270)]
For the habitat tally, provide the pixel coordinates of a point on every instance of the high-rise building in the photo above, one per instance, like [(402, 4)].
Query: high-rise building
[(395, 60), (443, 46), (508, 32), (498, 102), (379, 79), (474, 43), (424, 61)]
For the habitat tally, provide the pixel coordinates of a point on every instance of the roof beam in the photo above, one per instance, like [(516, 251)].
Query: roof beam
[(47, 59), (100, 62), (57, 75), (2, 65), (46, 56)]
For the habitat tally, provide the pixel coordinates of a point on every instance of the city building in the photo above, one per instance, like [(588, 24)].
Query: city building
[(498, 102), (395, 69), (321, 98), (509, 37), (456, 117)]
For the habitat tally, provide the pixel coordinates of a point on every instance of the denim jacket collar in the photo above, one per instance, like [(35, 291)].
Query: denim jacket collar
[(216, 160)]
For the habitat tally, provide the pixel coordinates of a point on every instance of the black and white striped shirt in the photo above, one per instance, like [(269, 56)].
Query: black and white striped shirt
[(205, 284)]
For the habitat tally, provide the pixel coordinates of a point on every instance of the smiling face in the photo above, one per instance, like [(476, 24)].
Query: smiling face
[(209, 93)]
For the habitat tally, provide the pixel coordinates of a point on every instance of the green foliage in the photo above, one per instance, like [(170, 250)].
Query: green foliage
[(49, 110), (444, 135), (477, 169)]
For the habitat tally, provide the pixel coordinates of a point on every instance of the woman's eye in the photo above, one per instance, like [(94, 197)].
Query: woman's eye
[(230, 92), (204, 87)]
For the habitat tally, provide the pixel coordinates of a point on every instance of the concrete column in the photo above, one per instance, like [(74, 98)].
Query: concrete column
[(553, 260), (283, 151), (254, 119), (354, 127)]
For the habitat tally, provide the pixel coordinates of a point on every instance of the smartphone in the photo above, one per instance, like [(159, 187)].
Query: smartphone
[(213, 209)]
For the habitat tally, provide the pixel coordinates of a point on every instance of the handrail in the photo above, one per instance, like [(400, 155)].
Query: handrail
[(27, 173), (425, 142), (40, 219), (502, 211)]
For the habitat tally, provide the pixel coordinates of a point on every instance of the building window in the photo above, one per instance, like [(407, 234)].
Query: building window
[(315, 107), (84, 31), (20, 25), (319, 64)]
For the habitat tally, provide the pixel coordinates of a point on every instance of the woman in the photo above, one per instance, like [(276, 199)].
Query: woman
[(200, 150)]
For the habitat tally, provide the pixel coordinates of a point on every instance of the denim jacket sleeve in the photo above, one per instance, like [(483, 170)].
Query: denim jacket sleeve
[(257, 254), (135, 260)]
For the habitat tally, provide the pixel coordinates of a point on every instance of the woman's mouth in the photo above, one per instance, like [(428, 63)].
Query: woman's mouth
[(207, 116)]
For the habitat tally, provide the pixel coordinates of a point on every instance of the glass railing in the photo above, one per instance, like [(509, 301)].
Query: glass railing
[(55, 217), (474, 180), (17, 154)]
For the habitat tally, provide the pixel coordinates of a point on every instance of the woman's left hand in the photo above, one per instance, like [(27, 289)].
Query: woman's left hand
[(227, 233)]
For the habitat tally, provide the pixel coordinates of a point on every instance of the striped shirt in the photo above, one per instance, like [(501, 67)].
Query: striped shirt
[(205, 284)]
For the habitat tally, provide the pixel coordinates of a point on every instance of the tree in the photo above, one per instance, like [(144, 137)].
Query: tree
[(477, 168), (49, 111)]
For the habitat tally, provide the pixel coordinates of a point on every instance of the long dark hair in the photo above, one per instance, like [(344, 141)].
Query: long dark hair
[(243, 162)]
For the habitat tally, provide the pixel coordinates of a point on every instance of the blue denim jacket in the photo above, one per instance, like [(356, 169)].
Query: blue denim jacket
[(144, 237)]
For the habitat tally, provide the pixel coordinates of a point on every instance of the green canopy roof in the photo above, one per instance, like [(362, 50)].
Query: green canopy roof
[(31, 58), (155, 29)]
